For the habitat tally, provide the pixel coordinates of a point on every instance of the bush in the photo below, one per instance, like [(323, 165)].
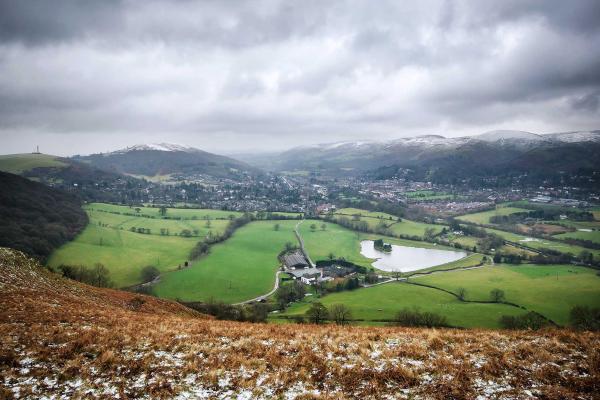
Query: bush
[(408, 317), (149, 273), (317, 313), (585, 318), (98, 275), (531, 320)]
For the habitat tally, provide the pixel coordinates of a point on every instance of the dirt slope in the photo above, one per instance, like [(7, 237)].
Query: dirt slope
[(68, 340)]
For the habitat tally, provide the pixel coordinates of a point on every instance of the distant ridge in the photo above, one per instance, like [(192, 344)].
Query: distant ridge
[(167, 158)]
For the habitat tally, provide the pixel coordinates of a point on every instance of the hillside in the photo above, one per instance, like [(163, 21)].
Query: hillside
[(85, 181), (166, 159), (440, 159), (35, 218), (69, 340)]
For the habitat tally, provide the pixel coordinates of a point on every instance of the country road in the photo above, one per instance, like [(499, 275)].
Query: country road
[(264, 296)]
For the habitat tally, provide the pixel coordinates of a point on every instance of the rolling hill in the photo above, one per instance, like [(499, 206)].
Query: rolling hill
[(63, 339), (436, 158), (150, 160)]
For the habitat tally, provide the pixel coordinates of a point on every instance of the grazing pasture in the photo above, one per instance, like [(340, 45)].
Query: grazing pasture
[(551, 290), (379, 303), (403, 227), (483, 218), (124, 253), (241, 268), (538, 244), (593, 236)]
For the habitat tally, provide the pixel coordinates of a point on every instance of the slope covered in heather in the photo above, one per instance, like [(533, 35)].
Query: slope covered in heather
[(68, 340)]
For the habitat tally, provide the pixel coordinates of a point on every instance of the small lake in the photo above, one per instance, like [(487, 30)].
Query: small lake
[(405, 259)]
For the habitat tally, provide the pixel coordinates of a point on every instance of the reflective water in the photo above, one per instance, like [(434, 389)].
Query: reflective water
[(405, 259)]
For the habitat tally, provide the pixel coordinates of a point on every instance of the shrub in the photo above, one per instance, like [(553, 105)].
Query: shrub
[(407, 317), (149, 273), (585, 318), (531, 320)]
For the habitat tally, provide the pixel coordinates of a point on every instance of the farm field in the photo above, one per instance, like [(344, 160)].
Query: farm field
[(471, 260), (404, 227), (154, 212), (241, 268), (124, 253), (594, 235), (19, 163), (542, 243), (483, 218), (382, 302), (551, 290), (157, 226)]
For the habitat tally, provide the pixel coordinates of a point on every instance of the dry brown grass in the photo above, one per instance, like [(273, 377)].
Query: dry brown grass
[(67, 339)]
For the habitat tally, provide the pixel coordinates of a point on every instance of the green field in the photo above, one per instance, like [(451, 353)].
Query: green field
[(382, 302), (428, 195), (241, 268), (19, 163), (154, 212), (124, 253), (542, 243), (157, 226), (404, 227), (471, 260), (335, 239), (483, 218), (549, 289), (593, 236)]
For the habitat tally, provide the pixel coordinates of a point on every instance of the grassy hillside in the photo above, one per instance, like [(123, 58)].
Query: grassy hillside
[(20, 163), (551, 290), (62, 339), (241, 268), (124, 253), (382, 302)]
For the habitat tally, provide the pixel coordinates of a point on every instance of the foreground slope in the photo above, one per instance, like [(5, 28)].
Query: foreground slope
[(64, 339)]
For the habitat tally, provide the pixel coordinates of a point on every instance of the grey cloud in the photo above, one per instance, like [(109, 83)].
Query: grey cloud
[(285, 73)]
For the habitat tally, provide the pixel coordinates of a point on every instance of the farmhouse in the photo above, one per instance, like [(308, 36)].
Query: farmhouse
[(295, 261)]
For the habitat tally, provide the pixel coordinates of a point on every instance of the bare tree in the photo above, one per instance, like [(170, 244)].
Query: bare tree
[(497, 295), (340, 314)]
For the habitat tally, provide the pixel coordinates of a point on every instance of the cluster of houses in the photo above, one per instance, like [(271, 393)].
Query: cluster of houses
[(296, 265)]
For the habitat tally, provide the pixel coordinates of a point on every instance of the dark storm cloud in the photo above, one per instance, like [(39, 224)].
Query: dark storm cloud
[(230, 75)]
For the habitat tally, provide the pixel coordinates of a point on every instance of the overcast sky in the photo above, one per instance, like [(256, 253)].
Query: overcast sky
[(231, 76)]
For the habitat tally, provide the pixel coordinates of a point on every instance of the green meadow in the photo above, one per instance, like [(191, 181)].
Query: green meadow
[(382, 302), (537, 244), (404, 227), (241, 268), (483, 218), (551, 290), (124, 253), (593, 236)]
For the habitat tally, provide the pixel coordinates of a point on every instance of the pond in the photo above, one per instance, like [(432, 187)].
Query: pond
[(406, 259)]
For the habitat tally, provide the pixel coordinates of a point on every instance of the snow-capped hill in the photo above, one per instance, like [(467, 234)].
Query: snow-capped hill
[(156, 147), (507, 135), (575, 137)]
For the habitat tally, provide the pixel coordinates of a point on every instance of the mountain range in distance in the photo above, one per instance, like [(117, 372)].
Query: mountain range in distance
[(435, 157), (431, 157)]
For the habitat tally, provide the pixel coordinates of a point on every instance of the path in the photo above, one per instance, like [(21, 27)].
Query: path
[(302, 249), (264, 296)]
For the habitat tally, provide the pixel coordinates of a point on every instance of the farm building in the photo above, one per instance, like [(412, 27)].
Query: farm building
[(295, 261), (307, 276)]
